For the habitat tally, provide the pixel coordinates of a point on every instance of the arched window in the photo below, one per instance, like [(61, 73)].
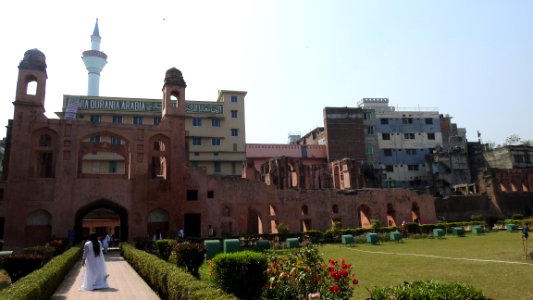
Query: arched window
[(44, 155)]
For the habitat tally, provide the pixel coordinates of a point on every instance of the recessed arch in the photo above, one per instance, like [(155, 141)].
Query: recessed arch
[(122, 229), (255, 223), (158, 221), (365, 215), (391, 215), (32, 84), (44, 144), (415, 212), (38, 228), (159, 156), (305, 210)]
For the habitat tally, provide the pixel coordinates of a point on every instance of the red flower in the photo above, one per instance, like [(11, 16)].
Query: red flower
[(355, 281), (334, 288)]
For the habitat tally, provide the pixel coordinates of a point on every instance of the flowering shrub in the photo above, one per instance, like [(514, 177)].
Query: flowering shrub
[(303, 274)]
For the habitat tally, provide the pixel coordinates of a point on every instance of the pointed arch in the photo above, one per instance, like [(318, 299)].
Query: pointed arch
[(391, 215), (44, 142), (159, 156), (121, 232), (254, 223), (415, 212), (103, 153), (365, 215)]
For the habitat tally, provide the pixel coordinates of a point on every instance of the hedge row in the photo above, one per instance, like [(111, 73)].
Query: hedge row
[(167, 279), (42, 283)]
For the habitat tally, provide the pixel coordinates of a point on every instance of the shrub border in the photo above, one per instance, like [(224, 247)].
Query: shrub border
[(167, 279), (42, 283)]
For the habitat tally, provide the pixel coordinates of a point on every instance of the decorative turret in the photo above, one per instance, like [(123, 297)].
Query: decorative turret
[(95, 61), (31, 82), (174, 90)]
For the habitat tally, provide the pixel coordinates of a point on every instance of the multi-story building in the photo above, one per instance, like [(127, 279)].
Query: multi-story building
[(404, 139), (215, 130)]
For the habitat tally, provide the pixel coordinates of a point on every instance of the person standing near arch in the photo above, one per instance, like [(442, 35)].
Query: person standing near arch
[(95, 273)]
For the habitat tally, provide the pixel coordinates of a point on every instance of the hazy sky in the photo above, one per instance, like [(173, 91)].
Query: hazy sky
[(472, 60)]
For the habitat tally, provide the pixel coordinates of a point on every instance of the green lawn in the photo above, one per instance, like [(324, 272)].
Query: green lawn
[(493, 262), (392, 263)]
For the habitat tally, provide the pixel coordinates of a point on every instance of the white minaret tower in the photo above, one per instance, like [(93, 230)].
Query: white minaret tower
[(95, 61)]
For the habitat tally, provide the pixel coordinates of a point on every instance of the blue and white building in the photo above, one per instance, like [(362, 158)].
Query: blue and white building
[(404, 140)]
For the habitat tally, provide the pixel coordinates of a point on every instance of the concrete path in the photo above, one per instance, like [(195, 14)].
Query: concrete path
[(124, 283)]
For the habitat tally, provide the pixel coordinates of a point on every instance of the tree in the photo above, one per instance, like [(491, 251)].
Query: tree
[(513, 139)]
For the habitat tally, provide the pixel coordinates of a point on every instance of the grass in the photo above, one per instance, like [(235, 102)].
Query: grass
[(390, 263)]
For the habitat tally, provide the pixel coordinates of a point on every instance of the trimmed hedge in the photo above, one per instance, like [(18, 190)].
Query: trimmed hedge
[(167, 279), (42, 283), (243, 274), (427, 290)]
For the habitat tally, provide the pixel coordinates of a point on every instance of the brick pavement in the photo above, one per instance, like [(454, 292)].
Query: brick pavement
[(124, 283)]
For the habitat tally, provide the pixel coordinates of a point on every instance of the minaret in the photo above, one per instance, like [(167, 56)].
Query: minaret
[(95, 61)]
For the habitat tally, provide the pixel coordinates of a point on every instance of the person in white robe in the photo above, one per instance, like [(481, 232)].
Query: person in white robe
[(105, 242), (95, 273)]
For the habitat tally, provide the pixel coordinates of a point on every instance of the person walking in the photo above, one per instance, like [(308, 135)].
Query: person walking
[(105, 242), (95, 273)]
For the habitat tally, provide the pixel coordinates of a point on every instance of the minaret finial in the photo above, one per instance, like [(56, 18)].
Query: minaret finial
[(96, 32)]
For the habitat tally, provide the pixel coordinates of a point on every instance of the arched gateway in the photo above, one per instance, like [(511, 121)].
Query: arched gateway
[(102, 204)]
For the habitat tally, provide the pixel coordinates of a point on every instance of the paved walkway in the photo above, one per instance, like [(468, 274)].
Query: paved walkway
[(124, 283)]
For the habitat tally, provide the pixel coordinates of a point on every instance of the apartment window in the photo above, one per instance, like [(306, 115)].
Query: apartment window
[(215, 141), (234, 114), (95, 139), (196, 122), (210, 194), (519, 159), (215, 122), (234, 99), (157, 120), (385, 136), (217, 167), (233, 168), (234, 132), (234, 147), (367, 115), (96, 118), (407, 120), (115, 140), (412, 167), (137, 120), (384, 121), (431, 136), (429, 121), (369, 150), (112, 166), (192, 195), (117, 119), (370, 130), (409, 136), (389, 168), (196, 141), (410, 151), (387, 152)]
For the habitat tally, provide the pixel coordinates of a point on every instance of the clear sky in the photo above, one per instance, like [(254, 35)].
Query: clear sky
[(472, 60)]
